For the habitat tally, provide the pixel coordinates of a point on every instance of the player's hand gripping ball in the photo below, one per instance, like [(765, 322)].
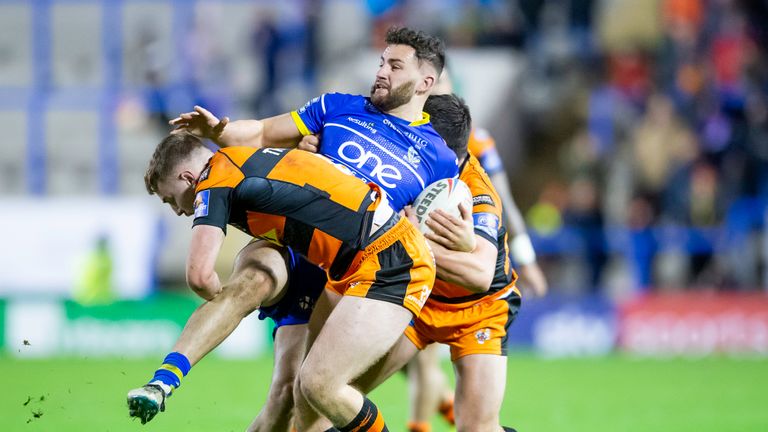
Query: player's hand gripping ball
[(445, 194)]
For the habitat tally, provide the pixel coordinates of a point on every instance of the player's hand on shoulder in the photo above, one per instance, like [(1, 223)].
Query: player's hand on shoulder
[(456, 234), (310, 143), (201, 123)]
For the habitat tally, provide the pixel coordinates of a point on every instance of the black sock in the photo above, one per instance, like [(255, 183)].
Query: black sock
[(366, 420)]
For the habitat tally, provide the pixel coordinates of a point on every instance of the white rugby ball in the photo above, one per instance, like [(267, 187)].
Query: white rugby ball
[(445, 194)]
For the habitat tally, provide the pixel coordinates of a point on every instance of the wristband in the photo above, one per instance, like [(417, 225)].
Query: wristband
[(522, 249)]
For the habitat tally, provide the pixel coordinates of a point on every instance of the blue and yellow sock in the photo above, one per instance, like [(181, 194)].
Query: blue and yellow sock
[(168, 376)]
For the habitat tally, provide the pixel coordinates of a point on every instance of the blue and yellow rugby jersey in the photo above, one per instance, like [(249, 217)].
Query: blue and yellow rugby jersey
[(289, 197), (401, 157)]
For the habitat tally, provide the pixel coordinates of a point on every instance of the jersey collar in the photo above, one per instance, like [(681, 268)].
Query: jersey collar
[(424, 120)]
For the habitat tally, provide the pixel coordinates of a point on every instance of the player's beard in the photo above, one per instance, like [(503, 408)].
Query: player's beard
[(395, 97)]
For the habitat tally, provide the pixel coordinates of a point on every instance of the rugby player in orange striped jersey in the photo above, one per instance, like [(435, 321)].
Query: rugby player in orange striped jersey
[(412, 153), (428, 389), (303, 201)]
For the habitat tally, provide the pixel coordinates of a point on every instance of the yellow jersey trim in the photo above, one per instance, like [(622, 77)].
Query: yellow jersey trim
[(300, 123), (424, 120)]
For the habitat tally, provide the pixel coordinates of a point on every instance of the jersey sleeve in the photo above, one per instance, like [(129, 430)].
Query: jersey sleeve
[(486, 207), (311, 117), (214, 191), (212, 207), (483, 146)]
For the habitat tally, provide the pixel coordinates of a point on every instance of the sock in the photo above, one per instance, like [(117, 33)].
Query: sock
[(419, 427), (168, 376), (333, 429), (508, 429), (369, 419), (446, 410)]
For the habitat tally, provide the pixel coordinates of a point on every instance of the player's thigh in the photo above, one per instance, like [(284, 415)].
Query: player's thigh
[(357, 333), (480, 384), (323, 308), (260, 257), (428, 358), (400, 354)]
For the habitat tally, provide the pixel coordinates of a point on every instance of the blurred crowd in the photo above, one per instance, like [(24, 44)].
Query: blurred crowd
[(645, 123), (641, 156), (649, 144)]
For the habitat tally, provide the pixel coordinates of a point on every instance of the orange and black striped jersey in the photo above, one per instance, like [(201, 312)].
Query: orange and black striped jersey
[(487, 217), (289, 197), (483, 147)]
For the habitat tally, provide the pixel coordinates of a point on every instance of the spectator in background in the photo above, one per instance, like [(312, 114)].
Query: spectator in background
[(584, 216), (266, 46)]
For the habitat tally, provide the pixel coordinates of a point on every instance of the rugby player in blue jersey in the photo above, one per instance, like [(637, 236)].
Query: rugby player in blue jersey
[(386, 139)]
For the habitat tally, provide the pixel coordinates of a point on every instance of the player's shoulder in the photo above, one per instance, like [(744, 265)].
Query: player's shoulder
[(484, 195), (480, 141), (331, 101), (223, 169)]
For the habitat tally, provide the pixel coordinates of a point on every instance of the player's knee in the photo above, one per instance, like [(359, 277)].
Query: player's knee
[(249, 289), (314, 385)]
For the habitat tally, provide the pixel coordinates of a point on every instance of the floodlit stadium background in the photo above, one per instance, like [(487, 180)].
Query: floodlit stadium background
[(634, 132)]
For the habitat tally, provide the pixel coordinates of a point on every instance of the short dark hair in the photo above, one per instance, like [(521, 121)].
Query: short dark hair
[(450, 117), (428, 48), (171, 150)]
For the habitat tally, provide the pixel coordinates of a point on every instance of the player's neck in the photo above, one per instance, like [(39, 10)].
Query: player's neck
[(411, 112)]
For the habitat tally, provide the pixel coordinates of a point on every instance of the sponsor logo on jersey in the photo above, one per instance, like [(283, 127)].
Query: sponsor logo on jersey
[(487, 223), (357, 156), (417, 140), (413, 157), (364, 124), (483, 335), (422, 298), (201, 203), (483, 199), (306, 105)]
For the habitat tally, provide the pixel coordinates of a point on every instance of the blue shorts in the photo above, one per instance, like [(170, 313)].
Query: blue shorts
[(306, 282)]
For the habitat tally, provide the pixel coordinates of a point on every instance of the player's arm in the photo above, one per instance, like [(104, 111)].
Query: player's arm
[(203, 251), (471, 270), (278, 131), (462, 256), (531, 275)]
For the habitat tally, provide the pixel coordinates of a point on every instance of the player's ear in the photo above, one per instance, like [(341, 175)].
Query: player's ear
[(426, 84), (188, 177)]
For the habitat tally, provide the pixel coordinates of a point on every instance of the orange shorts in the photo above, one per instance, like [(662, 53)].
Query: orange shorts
[(398, 267), (476, 328)]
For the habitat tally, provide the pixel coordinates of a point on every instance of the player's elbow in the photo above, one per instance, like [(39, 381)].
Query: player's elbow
[(481, 282), (202, 284), (476, 280)]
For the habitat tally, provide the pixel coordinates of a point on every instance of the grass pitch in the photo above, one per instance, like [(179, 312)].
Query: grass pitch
[(606, 394)]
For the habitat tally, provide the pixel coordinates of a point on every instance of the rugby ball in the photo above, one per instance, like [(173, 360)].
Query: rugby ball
[(445, 194)]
